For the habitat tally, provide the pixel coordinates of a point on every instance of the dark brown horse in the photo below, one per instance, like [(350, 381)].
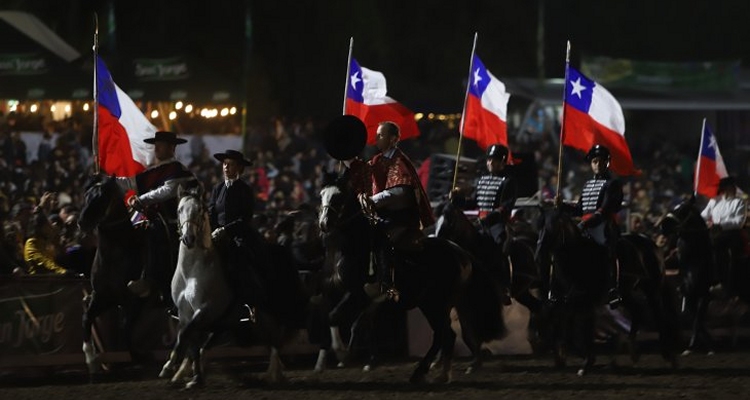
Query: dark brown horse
[(433, 279), (118, 260), (579, 284)]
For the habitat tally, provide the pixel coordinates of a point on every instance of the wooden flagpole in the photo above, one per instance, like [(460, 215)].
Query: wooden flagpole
[(698, 166), (95, 134), (463, 116), (348, 71), (562, 125)]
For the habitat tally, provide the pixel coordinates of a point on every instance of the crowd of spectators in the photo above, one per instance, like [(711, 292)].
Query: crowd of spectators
[(289, 164)]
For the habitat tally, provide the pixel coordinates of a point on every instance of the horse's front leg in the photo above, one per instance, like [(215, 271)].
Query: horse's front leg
[(94, 309), (588, 325)]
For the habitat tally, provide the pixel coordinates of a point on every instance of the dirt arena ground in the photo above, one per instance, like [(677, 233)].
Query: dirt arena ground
[(725, 375)]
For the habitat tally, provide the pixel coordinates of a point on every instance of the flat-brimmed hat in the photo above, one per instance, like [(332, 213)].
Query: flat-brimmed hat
[(233, 155), (726, 183), (164, 136)]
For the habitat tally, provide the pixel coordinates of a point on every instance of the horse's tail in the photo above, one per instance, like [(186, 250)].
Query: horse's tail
[(480, 309)]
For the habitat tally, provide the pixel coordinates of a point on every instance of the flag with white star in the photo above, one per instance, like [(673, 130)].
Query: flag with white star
[(367, 99), (593, 116), (710, 168), (485, 111)]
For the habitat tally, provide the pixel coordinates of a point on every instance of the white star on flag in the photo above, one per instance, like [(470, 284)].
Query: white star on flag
[(712, 142), (477, 77), (355, 80), (577, 87)]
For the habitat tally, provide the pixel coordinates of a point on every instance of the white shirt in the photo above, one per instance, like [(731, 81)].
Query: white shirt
[(725, 212)]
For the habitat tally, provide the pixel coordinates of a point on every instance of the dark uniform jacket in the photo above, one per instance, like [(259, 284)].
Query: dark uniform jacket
[(599, 204), (232, 207)]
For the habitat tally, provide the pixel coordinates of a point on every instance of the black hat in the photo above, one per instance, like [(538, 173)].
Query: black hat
[(163, 136), (597, 151), (497, 151), (233, 155), (726, 183), (345, 137)]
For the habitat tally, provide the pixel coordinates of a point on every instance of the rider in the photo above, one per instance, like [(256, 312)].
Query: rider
[(231, 214), (725, 215), (396, 194), (598, 206), (494, 197), (156, 194)]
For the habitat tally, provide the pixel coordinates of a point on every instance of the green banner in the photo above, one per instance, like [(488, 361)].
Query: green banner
[(626, 73), (160, 69), (23, 64)]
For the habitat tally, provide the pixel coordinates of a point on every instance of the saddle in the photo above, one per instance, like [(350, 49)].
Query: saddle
[(406, 240)]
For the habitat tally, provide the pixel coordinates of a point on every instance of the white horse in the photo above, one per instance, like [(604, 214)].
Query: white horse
[(203, 297), (199, 288)]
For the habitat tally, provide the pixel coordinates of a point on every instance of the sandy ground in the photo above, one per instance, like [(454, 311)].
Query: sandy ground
[(724, 376)]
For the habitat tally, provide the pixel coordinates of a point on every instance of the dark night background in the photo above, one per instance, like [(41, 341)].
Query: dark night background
[(297, 49)]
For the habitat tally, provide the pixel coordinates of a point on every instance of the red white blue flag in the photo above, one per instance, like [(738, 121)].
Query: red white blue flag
[(122, 128), (710, 168), (485, 112), (367, 99), (593, 116)]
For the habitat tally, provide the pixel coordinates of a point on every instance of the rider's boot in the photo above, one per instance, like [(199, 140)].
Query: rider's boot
[(140, 287)]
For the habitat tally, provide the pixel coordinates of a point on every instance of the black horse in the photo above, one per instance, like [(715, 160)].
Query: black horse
[(118, 260), (694, 257), (579, 281), (517, 270), (434, 279)]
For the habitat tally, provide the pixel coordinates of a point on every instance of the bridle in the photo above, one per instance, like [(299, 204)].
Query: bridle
[(195, 218)]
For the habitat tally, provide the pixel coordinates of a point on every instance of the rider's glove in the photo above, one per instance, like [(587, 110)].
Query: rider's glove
[(217, 233)]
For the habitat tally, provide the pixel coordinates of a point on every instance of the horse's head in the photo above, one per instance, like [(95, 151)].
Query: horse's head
[(556, 229), (452, 224), (683, 216), (192, 214), (102, 203)]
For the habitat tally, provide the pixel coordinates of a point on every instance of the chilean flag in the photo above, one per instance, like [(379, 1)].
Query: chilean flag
[(593, 116), (366, 99), (122, 128), (710, 168), (486, 108)]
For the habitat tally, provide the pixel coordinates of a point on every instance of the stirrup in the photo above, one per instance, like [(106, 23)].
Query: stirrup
[(393, 294), (614, 299), (140, 288)]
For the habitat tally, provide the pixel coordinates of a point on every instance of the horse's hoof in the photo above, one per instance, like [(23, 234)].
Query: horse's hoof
[(443, 378), (581, 372), (367, 368), (194, 384), (340, 365), (710, 353), (417, 378), (687, 352)]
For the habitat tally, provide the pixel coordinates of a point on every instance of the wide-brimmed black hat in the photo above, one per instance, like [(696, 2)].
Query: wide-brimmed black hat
[(164, 136), (233, 155), (727, 182)]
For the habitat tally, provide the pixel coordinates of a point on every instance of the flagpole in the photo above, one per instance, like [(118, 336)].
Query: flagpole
[(698, 167), (463, 116), (95, 135), (562, 125), (348, 70)]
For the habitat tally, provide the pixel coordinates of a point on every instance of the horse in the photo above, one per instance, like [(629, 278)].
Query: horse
[(206, 302), (579, 280), (525, 276), (117, 261), (693, 255), (434, 279)]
